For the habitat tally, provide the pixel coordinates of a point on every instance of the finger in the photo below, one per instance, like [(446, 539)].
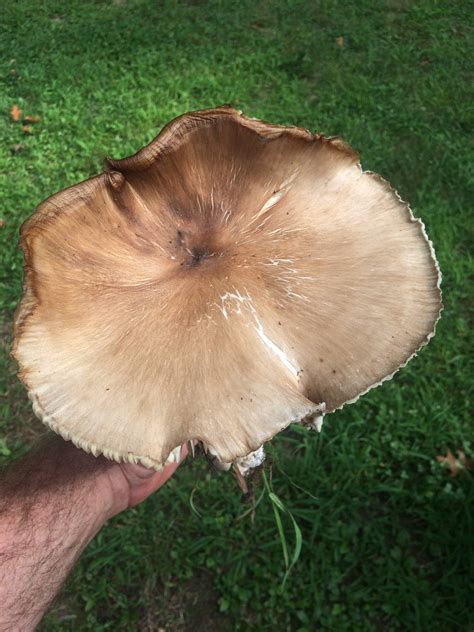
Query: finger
[(144, 481)]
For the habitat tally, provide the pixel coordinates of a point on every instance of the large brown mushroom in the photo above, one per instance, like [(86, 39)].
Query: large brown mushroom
[(230, 278)]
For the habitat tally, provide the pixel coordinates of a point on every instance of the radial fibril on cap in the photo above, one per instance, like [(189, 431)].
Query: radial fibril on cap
[(230, 278)]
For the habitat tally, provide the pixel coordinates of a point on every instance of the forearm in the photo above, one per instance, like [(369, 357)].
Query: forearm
[(52, 504)]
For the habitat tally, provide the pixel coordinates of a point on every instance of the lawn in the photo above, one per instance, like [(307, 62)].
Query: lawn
[(387, 534)]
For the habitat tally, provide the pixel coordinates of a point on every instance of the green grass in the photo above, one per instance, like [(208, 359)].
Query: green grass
[(386, 534)]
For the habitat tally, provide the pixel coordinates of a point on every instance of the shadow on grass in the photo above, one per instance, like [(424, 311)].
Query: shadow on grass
[(19, 427)]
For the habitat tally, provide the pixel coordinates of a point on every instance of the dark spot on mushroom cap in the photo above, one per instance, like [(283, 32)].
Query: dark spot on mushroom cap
[(197, 255)]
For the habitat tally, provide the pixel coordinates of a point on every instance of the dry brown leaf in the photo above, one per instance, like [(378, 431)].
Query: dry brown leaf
[(15, 113), (258, 26), (2, 223), (34, 118), (16, 149), (340, 41), (455, 465), (26, 129), (468, 464)]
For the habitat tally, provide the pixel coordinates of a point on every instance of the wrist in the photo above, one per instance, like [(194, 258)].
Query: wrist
[(87, 476)]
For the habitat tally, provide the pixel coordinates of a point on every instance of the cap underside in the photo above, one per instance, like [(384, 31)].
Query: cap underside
[(225, 281)]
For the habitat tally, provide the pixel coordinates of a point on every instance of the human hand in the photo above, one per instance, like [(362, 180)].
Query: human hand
[(112, 487), (53, 501)]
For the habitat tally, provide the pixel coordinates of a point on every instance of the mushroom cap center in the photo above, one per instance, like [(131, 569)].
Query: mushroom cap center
[(197, 246)]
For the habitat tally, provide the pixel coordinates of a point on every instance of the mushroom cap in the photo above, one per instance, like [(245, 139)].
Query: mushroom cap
[(228, 279)]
